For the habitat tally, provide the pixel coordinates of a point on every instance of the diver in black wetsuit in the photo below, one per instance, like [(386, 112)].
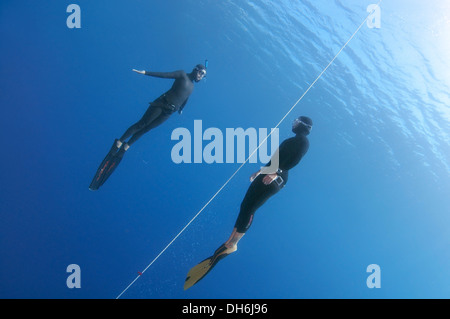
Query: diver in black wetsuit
[(159, 111), (262, 188)]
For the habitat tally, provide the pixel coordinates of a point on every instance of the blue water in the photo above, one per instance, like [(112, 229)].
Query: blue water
[(373, 188)]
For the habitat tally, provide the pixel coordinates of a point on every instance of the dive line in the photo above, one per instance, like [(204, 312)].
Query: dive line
[(256, 149)]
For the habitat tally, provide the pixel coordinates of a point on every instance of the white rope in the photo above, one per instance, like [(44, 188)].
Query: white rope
[(242, 165)]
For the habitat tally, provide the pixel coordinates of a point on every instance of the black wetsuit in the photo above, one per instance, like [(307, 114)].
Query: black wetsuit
[(291, 152), (160, 110)]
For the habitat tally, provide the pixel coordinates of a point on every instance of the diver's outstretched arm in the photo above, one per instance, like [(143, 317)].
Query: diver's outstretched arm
[(164, 75)]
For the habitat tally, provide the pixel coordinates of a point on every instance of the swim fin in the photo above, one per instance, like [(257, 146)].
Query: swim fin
[(199, 271), (108, 165)]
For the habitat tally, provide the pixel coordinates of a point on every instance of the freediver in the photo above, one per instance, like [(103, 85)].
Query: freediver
[(262, 187), (157, 113)]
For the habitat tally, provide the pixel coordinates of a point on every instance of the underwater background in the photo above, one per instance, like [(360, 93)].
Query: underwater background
[(373, 188)]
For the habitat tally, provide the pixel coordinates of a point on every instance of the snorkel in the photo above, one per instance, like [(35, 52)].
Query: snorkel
[(206, 67)]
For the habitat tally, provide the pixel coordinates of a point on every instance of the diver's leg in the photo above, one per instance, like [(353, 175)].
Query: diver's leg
[(231, 243), (154, 123), (149, 116), (132, 130), (257, 194)]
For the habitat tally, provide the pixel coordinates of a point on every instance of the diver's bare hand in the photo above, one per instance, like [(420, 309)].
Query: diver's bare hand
[(140, 72), (268, 179)]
